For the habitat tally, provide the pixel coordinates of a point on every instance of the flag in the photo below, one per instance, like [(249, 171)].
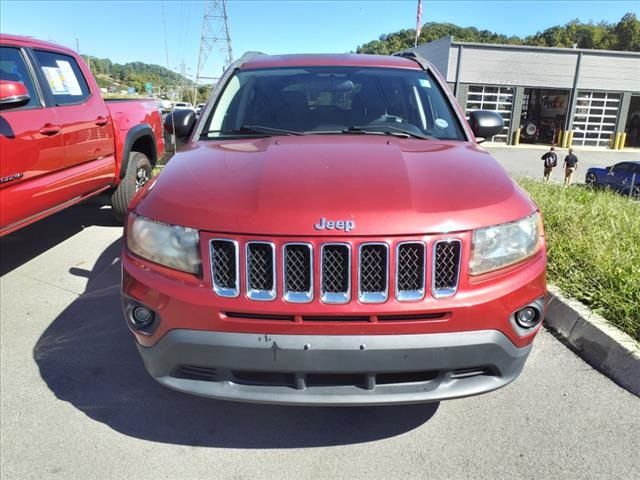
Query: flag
[(418, 22)]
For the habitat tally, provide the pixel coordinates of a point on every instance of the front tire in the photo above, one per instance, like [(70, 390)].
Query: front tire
[(591, 179), (138, 173)]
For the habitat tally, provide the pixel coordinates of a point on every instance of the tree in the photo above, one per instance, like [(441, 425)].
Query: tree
[(625, 35)]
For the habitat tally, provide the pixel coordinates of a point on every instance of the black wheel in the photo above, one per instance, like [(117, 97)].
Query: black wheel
[(591, 179), (138, 173)]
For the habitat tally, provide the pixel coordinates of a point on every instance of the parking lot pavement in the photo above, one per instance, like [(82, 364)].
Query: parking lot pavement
[(76, 402), (524, 161)]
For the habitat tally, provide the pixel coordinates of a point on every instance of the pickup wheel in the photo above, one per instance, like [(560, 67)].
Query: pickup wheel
[(138, 173)]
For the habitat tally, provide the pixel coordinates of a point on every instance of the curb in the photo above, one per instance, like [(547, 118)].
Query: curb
[(603, 346)]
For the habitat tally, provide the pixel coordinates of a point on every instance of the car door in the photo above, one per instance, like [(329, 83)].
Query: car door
[(617, 177), (87, 131), (30, 143), (635, 180)]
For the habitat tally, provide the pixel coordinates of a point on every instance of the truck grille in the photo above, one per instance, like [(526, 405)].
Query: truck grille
[(374, 278)]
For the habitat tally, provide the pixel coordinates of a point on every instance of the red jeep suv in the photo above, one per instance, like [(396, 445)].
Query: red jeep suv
[(332, 234)]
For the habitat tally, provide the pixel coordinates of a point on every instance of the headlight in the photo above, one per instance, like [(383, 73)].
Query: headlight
[(502, 245), (169, 245)]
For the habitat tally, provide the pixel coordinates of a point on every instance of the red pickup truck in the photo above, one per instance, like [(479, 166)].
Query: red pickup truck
[(332, 234), (60, 141)]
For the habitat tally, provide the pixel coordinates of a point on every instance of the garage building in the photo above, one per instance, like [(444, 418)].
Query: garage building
[(546, 95)]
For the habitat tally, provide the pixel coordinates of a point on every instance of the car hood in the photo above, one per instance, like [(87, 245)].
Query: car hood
[(285, 185)]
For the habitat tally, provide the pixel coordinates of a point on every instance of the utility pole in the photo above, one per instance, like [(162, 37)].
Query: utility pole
[(78, 52), (215, 33)]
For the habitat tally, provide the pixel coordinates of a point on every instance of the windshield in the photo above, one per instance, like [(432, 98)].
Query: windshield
[(316, 100)]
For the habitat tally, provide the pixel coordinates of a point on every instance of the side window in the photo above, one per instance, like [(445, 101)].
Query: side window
[(64, 77), (621, 168), (14, 69)]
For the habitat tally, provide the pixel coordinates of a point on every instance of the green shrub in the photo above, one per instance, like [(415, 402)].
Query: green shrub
[(593, 243)]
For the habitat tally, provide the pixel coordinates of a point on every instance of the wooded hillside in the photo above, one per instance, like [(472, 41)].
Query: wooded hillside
[(624, 35)]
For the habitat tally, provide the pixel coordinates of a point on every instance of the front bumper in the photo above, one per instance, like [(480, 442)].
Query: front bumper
[(334, 369)]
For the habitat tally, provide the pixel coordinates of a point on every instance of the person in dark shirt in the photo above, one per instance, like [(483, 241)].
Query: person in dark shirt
[(570, 167), (550, 160)]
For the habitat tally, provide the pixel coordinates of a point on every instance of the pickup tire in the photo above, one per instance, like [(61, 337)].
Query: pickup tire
[(138, 173)]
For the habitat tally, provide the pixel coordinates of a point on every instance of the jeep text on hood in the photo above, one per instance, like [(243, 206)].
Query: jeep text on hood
[(332, 234)]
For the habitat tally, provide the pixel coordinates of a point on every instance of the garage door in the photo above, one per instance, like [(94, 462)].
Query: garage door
[(595, 119), (498, 99)]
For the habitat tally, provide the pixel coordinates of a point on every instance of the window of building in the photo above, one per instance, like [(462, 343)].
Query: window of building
[(594, 121), (497, 99)]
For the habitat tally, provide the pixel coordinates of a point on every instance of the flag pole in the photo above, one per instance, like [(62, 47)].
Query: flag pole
[(418, 23)]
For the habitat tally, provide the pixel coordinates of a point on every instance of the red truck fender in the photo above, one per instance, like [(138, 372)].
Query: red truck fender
[(140, 138)]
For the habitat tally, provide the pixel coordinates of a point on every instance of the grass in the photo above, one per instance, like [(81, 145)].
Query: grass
[(156, 170), (593, 242)]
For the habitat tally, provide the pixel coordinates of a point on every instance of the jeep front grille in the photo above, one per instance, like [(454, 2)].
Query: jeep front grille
[(224, 267), (335, 273), (379, 266), (446, 267), (373, 272), (261, 271)]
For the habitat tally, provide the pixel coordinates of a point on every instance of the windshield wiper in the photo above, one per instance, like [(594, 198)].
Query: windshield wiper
[(256, 129), (389, 130)]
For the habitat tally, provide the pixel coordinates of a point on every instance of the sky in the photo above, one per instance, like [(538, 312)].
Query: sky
[(127, 31)]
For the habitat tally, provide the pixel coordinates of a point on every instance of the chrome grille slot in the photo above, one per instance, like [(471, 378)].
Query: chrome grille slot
[(373, 272), (446, 267), (261, 271), (335, 273), (410, 271), (224, 267), (298, 272)]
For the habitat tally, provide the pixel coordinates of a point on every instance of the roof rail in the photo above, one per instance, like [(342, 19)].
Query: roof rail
[(416, 57)]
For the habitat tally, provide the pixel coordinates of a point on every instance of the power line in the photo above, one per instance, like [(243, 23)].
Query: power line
[(215, 33), (164, 24)]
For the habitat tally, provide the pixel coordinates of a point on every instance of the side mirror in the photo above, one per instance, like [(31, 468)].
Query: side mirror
[(180, 123), (485, 124), (13, 94)]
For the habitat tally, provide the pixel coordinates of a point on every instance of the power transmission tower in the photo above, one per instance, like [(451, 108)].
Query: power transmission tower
[(215, 33), (183, 81)]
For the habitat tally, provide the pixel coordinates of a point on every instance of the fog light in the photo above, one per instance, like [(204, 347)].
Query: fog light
[(527, 317), (142, 317)]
